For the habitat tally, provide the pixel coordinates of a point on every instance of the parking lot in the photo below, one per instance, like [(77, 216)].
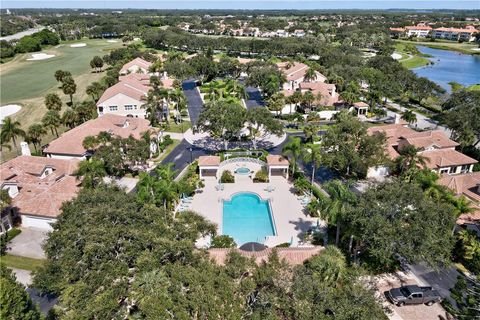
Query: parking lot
[(410, 312)]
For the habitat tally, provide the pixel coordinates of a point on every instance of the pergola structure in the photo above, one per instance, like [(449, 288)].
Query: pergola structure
[(277, 166), (208, 166), (361, 108)]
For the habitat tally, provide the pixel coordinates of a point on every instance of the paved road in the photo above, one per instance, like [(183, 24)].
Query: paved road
[(194, 101), (181, 155), (22, 34), (442, 280), (254, 98)]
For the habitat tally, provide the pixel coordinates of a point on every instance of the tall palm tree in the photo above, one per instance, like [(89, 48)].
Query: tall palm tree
[(94, 90), (309, 75), (409, 116), (10, 130), (146, 187), (152, 106), (311, 131), (276, 102), (70, 118), (52, 120), (410, 158), (334, 208), (69, 87), (293, 149), (92, 171), (53, 102), (312, 153), (308, 99), (34, 134)]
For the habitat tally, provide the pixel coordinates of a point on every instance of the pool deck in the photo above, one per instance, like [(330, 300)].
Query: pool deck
[(289, 215)]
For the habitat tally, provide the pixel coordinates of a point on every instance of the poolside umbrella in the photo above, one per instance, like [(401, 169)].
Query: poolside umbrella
[(253, 246)]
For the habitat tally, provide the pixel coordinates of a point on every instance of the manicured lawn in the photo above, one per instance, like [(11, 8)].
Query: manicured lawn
[(23, 263), (27, 82), (410, 60), (168, 150), (179, 127)]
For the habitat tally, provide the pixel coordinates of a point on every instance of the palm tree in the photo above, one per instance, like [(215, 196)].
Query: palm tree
[(52, 120), (349, 97), (310, 75), (146, 187), (10, 131), (152, 106), (334, 208), (410, 159), (331, 265), (94, 90), (92, 171), (34, 134), (53, 102), (409, 116), (90, 142), (311, 131), (70, 118), (312, 154), (293, 148), (69, 87), (308, 99)]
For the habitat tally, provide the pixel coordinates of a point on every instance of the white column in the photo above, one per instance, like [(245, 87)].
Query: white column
[(200, 172)]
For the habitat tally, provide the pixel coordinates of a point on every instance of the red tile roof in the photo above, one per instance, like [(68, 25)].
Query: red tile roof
[(458, 30), (276, 160), (136, 62), (70, 142), (129, 86), (440, 158), (292, 256), (393, 133), (295, 72), (428, 139), (41, 196), (208, 161)]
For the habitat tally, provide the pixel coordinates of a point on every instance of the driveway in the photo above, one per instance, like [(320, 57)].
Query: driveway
[(194, 101), (442, 280), (386, 282), (28, 243), (254, 98), (181, 155)]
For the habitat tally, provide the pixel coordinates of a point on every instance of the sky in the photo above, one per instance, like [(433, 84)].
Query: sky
[(245, 4)]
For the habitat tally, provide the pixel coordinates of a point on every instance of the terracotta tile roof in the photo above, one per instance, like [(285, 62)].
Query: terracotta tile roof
[(292, 256), (41, 196), (129, 86), (457, 30), (140, 77), (325, 89), (276, 160), (418, 28), (440, 158), (393, 133), (71, 141), (428, 139), (136, 62), (208, 161), (467, 184), (360, 104), (295, 72)]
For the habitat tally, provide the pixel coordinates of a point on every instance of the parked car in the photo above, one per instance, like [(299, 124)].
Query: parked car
[(413, 294)]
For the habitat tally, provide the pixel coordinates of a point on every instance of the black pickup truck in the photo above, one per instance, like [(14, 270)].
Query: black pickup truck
[(413, 294)]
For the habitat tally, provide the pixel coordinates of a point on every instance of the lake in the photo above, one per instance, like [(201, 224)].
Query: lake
[(450, 66)]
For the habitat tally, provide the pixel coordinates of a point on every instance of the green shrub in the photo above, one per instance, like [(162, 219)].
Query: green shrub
[(223, 241), (227, 177), (283, 245), (261, 176), (6, 238)]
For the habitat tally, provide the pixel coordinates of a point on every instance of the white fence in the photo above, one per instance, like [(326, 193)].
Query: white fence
[(242, 160)]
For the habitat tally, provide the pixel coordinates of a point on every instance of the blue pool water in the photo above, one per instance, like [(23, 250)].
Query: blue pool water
[(242, 170), (247, 218)]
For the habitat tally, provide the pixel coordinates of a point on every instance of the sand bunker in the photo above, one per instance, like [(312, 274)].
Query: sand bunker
[(78, 45), (396, 56), (112, 41), (40, 56), (8, 110)]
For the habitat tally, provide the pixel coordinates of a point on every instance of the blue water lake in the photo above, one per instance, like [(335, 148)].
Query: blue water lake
[(450, 66), (247, 218)]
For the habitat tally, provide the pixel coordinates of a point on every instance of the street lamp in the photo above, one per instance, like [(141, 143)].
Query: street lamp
[(191, 154)]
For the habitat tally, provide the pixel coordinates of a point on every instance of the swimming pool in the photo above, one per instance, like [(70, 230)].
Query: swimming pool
[(247, 218), (242, 171)]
